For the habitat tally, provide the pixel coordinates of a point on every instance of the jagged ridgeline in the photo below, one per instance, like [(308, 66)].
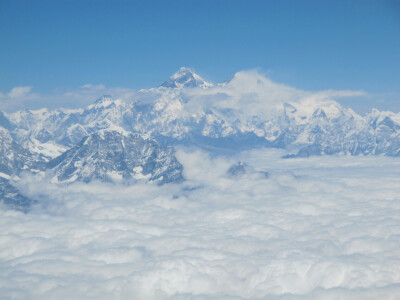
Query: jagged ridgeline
[(106, 155), (117, 157), (14, 159), (232, 116), (126, 141)]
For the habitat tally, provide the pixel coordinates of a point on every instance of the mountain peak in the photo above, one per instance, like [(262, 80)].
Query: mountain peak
[(116, 156), (185, 77), (104, 98), (103, 101)]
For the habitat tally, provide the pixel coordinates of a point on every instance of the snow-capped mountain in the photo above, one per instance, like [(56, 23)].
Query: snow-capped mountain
[(14, 159), (114, 140), (116, 156), (247, 111), (185, 77)]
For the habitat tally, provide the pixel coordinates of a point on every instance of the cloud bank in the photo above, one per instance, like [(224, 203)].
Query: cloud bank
[(318, 228)]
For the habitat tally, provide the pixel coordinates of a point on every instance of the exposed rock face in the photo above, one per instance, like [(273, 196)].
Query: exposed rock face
[(241, 169), (11, 196), (185, 77), (117, 156), (13, 160), (238, 169), (13, 157), (178, 113), (108, 139)]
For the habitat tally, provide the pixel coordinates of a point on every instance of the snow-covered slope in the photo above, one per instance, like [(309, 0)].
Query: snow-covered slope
[(106, 140), (13, 157), (185, 77), (116, 156), (247, 111), (13, 160)]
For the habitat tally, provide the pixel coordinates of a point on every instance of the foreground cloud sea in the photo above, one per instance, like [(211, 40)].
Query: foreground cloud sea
[(322, 227)]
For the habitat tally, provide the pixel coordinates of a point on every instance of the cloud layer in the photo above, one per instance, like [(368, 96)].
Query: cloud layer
[(317, 228)]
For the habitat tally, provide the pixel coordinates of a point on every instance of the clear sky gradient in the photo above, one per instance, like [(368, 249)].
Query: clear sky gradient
[(311, 45)]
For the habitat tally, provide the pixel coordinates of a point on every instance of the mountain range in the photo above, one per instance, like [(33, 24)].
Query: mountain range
[(116, 156), (114, 139)]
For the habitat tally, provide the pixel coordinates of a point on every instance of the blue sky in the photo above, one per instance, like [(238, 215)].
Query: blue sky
[(311, 45)]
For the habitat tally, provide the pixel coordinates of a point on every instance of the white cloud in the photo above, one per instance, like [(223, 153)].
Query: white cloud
[(318, 228), (250, 93), (16, 97), (19, 92), (95, 87), (340, 94)]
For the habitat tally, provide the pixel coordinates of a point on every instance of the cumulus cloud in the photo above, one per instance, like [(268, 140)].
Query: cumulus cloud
[(318, 228)]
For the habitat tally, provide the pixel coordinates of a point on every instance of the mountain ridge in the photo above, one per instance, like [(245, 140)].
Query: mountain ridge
[(116, 156), (227, 115), (129, 141), (185, 78)]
